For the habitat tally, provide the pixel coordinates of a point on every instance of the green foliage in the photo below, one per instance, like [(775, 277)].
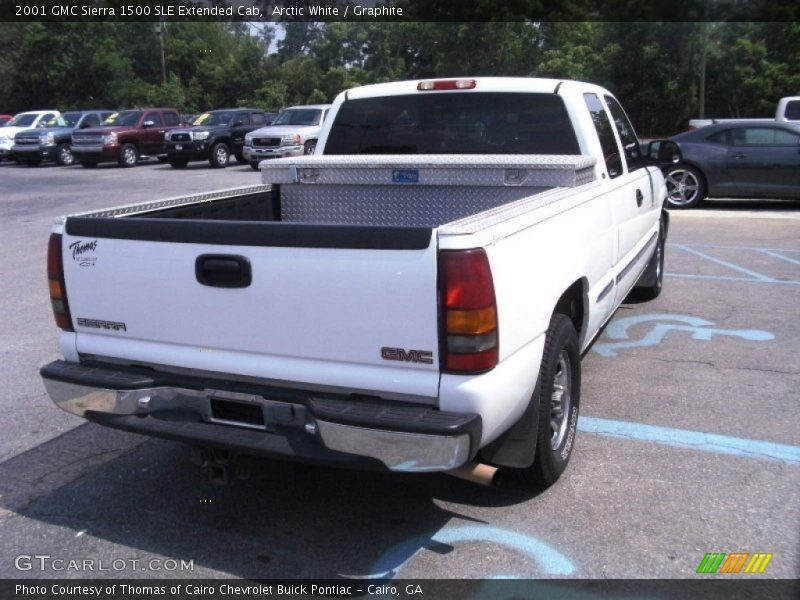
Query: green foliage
[(653, 67)]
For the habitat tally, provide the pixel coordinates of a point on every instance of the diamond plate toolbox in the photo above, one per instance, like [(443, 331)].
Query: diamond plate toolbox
[(414, 191)]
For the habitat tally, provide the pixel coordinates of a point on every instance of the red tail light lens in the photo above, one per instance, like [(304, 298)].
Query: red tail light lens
[(469, 312), (55, 281)]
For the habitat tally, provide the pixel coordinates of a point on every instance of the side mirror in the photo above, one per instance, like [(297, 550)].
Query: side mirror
[(663, 153), (148, 124)]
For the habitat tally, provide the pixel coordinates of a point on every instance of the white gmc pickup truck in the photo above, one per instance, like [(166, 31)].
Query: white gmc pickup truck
[(415, 296)]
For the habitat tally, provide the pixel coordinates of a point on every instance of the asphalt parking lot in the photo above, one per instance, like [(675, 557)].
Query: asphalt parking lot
[(689, 438)]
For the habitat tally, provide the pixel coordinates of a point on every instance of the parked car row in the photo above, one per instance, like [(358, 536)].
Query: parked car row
[(93, 136)]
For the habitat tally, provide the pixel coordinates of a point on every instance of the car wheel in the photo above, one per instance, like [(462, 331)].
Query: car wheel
[(240, 158), (650, 283), (162, 159), (309, 147), (64, 155), (128, 155), (219, 155), (254, 165), (557, 395), (686, 187), (88, 164), (178, 164)]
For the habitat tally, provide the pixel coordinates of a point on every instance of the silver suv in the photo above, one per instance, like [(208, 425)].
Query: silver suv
[(294, 132)]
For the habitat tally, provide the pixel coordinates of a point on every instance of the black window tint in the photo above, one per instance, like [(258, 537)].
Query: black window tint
[(258, 118), (763, 136), (154, 117), (630, 143), (793, 110), (453, 123), (171, 118), (608, 142), (721, 137)]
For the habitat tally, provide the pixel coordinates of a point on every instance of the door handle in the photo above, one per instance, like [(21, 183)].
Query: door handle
[(223, 270), (639, 197)]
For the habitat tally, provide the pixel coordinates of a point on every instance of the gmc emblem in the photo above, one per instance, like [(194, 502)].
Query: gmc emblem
[(417, 356)]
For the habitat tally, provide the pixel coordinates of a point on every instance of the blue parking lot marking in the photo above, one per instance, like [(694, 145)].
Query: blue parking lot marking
[(750, 275), (694, 440)]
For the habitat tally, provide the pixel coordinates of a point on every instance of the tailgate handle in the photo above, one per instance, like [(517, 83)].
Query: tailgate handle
[(223, 270)]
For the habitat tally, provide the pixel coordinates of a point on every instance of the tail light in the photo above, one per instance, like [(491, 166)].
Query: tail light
[(446, 84), (469, 312), (55, 280)]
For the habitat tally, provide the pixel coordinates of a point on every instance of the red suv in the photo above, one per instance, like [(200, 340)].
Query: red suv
[(125, 137)]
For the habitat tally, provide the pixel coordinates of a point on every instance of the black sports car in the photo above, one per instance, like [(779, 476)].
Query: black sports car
[(742, 159)]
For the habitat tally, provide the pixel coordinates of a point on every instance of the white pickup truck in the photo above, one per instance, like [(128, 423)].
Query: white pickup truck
[(416, 296)]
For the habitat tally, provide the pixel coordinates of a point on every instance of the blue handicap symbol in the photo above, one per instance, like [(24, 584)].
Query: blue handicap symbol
[(664, 323)]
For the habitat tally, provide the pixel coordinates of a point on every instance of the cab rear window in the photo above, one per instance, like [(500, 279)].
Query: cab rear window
[(454, 123)]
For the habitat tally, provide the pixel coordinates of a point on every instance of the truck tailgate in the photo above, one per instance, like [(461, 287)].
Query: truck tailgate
[(322, 303)]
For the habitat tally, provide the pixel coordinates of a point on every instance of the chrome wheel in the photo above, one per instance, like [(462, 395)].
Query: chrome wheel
[(561, 400), (129, 155), (683, 187), (65, 156), (221, 155)]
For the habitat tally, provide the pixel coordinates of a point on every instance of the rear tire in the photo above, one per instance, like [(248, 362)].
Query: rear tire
[(254, 165), (558, 396), (240, 158), (650, 283), (128, 155), (219, 155), (178, 164)]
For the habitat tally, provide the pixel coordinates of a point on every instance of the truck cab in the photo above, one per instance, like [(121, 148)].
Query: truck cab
[(52, 142), (125, 137), (294, 132), (214, 136)]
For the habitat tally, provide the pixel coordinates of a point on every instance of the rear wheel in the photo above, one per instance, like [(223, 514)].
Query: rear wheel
[(558, 396), (178, 163), (686, 187), (240, 158), (219, 155), (64, 155), (128, 155), (254, 165), (650, 283)]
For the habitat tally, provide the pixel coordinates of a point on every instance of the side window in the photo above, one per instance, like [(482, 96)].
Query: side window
[(793, 110), (46, 119), (633, 152), (154, 117), (258, 118), (606, 134), (171, 118), (243, 118), (763, 136), (91, 120), (721, 137)]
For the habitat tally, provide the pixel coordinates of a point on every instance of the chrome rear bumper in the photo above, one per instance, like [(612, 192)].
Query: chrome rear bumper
[(328, 430)]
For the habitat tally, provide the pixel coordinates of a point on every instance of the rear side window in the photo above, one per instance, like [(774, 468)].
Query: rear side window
[(454, 123), (171, 118), (793, 110), (243, 118), (630, 143), (605, 132), (258, 118), (91, 120), (763, 136)]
